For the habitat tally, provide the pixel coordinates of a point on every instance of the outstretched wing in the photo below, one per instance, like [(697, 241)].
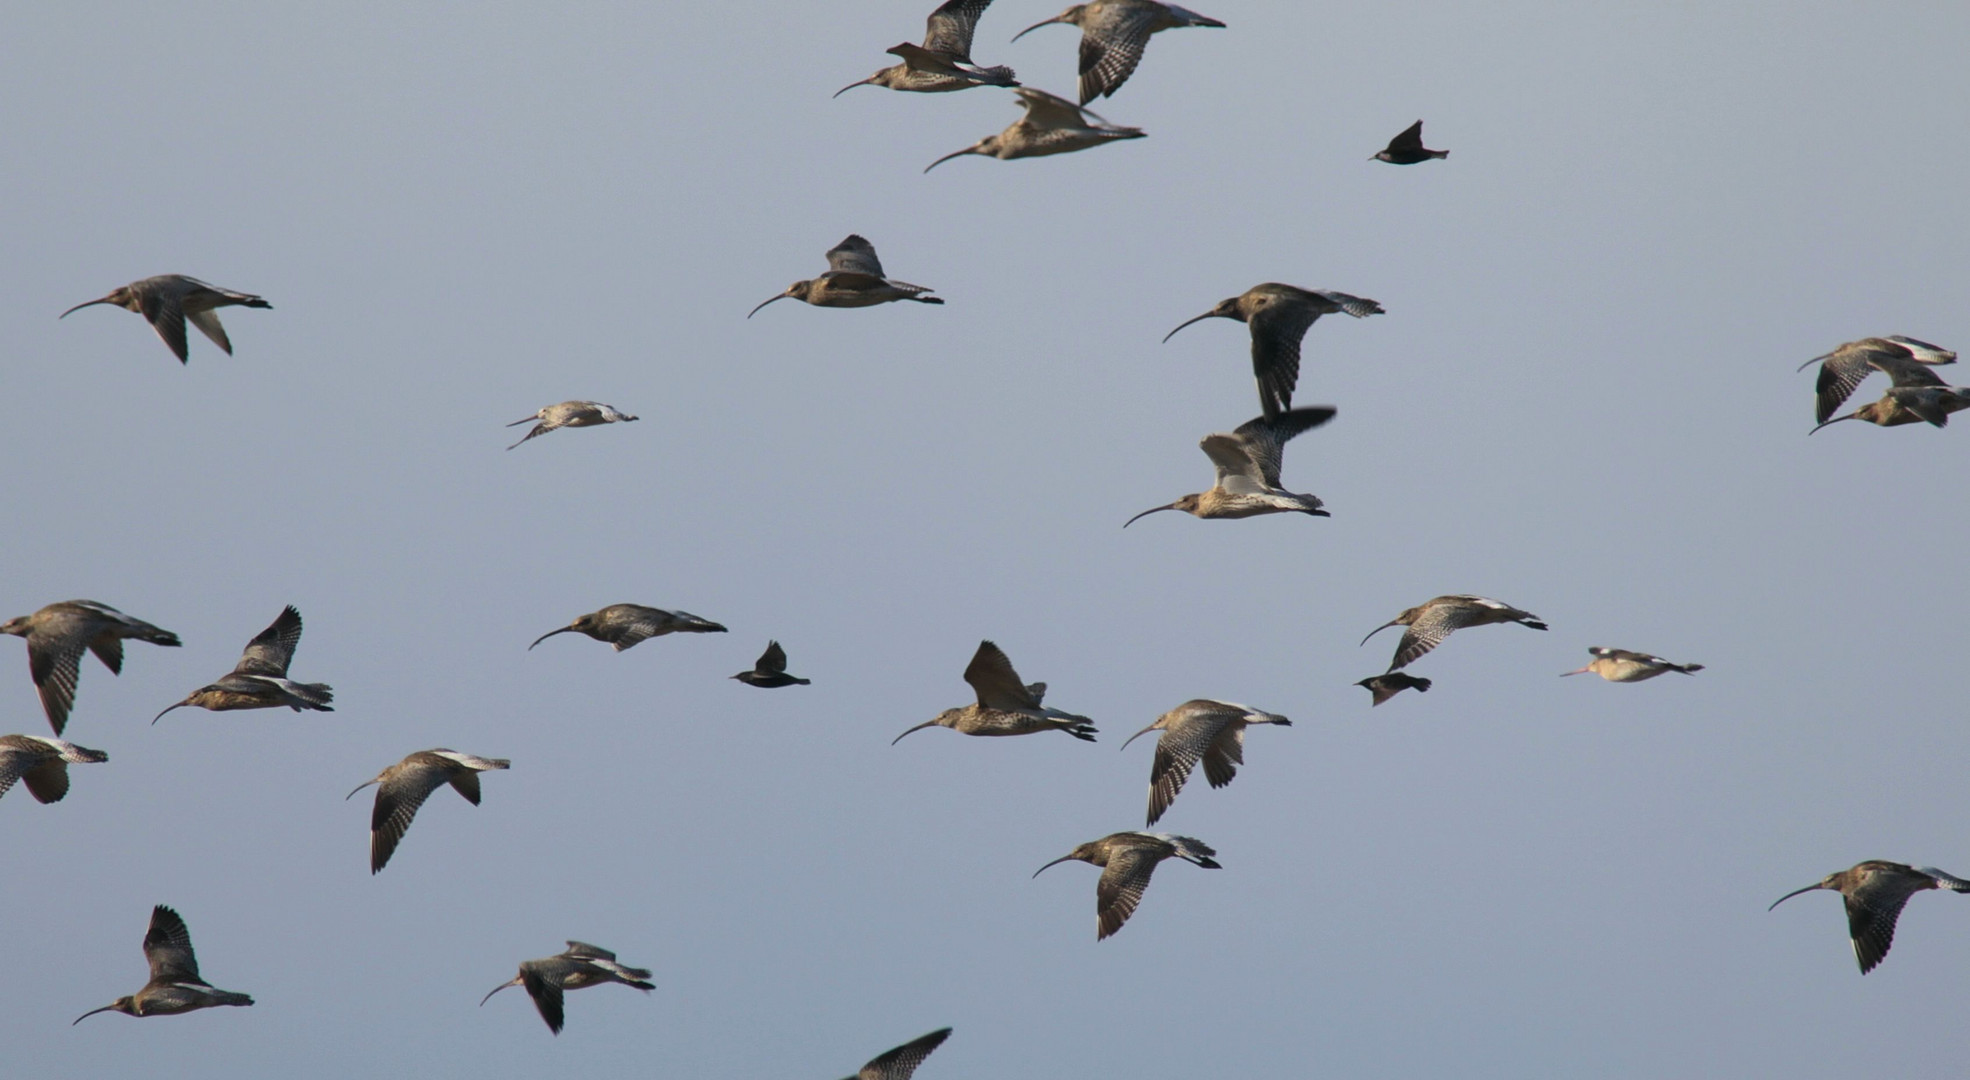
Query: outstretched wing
[(1427, 632), (397, 800), (1277, 329), (1121, 886), (54, 660), (168, 947), (1047, 112), (273, 649), (1111, 47), (950, 27), (774, 660), (1179, 750), (1265, 437), (1410, 141), (899, 1063), (856, 256), (166, 316), (990, 673)]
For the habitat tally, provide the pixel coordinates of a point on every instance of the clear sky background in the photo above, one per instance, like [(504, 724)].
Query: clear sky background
[(1581, 401)]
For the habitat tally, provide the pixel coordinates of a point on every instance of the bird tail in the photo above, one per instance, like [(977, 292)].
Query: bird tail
[(995, 76), (227, 997), (312, 695), (1687, 669), (1078, 726), (1532, 622), (1194, 850), (158, 637)]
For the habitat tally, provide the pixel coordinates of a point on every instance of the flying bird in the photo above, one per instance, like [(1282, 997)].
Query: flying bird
[(1388, 685), (770, 670), (1428, 624), (1051, 126), (1248, 462), (570, 414), (1113, 35), (854, 279), (1407, 148), (167, 300), (403, 787), (1620, 665), (1199, 730), (1006, 706), (1127, 859), (1843, 369), (42, 763), (56, 636), (899, 1063), (943, 62), (259, 680), (582, 965), (623, 625), (175, 985), (1278, 317), (1916, 393), (1875, 892)]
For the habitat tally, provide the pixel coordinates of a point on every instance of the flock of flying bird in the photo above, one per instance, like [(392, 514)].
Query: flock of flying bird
[(1247, 483)]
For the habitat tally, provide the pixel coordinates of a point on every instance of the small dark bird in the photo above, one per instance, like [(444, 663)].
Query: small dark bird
[(1278, 317), (1428, 624), (259, 680), (899, 1063), (1407, 148), (770, 670), (167, 300), (581, 966), (403, 787), (623, 625), (1875, 892), (56, 636), (175, 985), (1389, 685)]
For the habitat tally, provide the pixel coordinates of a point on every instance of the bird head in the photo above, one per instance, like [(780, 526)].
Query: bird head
[(125, 1005), (122, 297), (1084, 853), (1226, 309), (798, 290), (1188, 504)]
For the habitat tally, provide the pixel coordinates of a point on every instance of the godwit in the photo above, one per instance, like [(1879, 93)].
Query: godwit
[(1127, 859), (1875, 892), (1248, 462), (43, 763), (1006, 706), (623, 625), (582, 965), (1407, 148), (56, 636), (259, 680), (1844, 368), (1620, 665), (1278, 317), (854, 279), (1388, 685), (771, 670), (1430, 623), (1113, 35), (1917, 393), (167, 300), (175, 985), (943, 62), (899, 1063), (571, 414), (1213, 731), (403, 787), (1051, 126)]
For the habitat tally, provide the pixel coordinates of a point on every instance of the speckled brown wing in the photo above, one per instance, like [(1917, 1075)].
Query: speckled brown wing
[(1265, 437), (18, 757), (1871, 914), (54, 661), (899, 1063), (1277, 330), (397, 801), (1194, 738), (272, 649), (48, 781), (950, 28), (1427, 632), (990, 673), (1121, 886), (166, 316), (546, 992), (1111, 47)]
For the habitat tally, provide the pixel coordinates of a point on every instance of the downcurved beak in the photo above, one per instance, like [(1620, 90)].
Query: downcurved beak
[(64, 315), (1146, 513), (919, 727), (1056, 862), (1139, 735), (497, 989), (547, 635), (755, 311), (865, 82), (90, 1013), (1793, 893), (1795, 371), (1036, 26), (531, 419), (1378, 630), (1835, 420), (359, 787), (947, 157), (1187, 322), (160, 716)]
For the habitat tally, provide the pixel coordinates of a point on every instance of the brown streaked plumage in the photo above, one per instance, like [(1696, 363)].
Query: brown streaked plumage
[(1389, 684), (1198, 730), (1875, 891), (42, 763), (1278, 317), (1051, 125), (56, 636), (259, 680), (175, 985), (570, 414), (1916, 393), (943, 62), (899, 1063), (1006, 706), (167, 300), (854, 279), (770, 670), (1248, 462), (1843, 369), (1621, 665), (403, 787), (1127, 859), (1113, 35), (1428, 624), (623, 625), (1407, 148), (582, 965)]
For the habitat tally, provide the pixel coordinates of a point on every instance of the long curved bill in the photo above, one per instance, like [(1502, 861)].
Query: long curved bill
[(865, 82), (1809, 363), (1036, 26), (1056, 862), (524, 420), (1144, 514), (497, 989), (359, 787), (1141, 733), (1835, 420), (1378, 630), (90, 1013), (1187, 322), (550, 633), (947, 157), (919, 727), (755, 311), (64, 315), (160, 716), (1792, 894)]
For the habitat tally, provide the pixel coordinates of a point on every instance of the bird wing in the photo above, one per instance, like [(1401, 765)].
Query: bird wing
[(16, 761), (774, 660), (48, 781), (1111, 47), (856, 256), (949, 28), (1871, 913), (990, 673), (1841, 371), (649, 623), (1410, 141), (467, 784), (397, 800), (1238, 472), (1226, 753), (1178, 751), (1121, 886), (1904, 370), (208, 324), (54, 660), (166, 316), (272, 649), (1277, 329), (168, 947), (899, 1063), (1427, 632), (546, 992), (109, 649), (1265, 437), (586, 951), (1045, 112)]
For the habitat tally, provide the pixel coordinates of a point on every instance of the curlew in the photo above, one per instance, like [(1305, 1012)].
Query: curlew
[(1620, 665), (623, 625), (175, 985), (770, 670), (56, 636), (1127, 859), (1407, 148), (943, 62), (1915, 394), (582, 965), (403, 787), (259, 680), (1428, 624), (1051, 126), (42, 763), (167, 300), (854, 279), (1006, 706), (1113, 35), (1843, 369), (1201, 729), (571, 414), (1278, 317), (900, 1062), (1875, 892), (1388, 685), (1248, 462)]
